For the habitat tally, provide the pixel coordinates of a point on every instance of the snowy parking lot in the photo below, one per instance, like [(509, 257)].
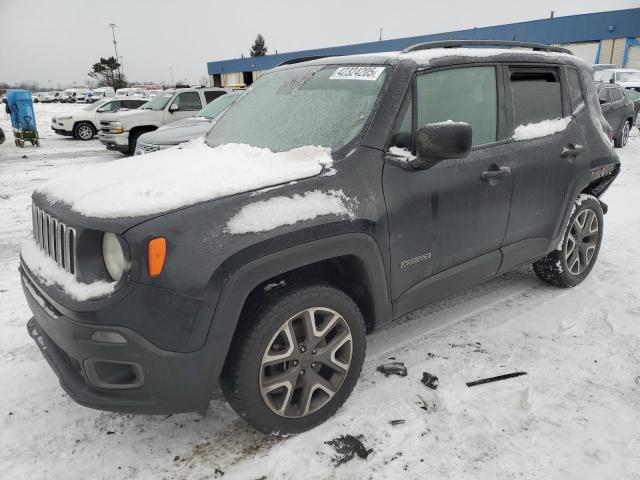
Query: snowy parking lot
[(575, 414)]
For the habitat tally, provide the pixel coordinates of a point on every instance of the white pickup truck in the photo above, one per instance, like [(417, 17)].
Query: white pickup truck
[(121, 130)]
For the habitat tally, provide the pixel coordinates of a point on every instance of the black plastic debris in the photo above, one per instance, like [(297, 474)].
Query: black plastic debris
[(393, 368), (429, 380), (397, 422), (495, 379), (347, 447)]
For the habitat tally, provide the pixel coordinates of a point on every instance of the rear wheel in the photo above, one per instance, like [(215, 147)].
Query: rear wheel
[(296, 360), (578, 251), (623, 135), (83, 131)]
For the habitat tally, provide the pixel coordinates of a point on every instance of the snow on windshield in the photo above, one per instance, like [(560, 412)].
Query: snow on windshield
[(169, 179), (312, 105)]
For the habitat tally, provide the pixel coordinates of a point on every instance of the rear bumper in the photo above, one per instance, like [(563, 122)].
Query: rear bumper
[(132, 376)]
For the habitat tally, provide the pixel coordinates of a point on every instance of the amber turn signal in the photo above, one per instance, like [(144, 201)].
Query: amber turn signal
[(157, 255)]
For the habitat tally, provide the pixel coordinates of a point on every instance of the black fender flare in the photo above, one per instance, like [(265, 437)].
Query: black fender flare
[(604, 174), (246, 278)]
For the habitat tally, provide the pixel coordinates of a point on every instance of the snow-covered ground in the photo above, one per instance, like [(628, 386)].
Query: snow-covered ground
[(575, 415)]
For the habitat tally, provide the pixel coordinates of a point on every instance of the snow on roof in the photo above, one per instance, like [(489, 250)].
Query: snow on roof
[(275, 212), (169, 179), (49, 273), (423, 57)]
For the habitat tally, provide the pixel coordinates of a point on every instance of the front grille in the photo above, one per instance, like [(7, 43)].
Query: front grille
[(146, 148), (55, 238)]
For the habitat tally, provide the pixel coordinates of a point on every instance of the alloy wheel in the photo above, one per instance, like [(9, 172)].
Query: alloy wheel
[(305, 362), (84, 132), (625, 133), (581, 242)]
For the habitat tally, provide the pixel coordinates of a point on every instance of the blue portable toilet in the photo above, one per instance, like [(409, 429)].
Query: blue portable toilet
[(23, 118)]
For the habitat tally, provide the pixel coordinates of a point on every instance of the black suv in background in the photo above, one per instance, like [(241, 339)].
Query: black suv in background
[(447, 166), (618, 109)]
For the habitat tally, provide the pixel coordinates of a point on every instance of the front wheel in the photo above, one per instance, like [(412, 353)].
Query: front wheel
[(83, 131), (577, 253), (296, 359)]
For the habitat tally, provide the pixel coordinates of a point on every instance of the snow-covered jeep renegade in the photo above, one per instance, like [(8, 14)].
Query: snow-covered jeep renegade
[(335, 196)]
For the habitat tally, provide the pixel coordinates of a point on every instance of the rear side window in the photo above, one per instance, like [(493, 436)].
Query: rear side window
[(575, 89), (616, 94), (211, 95), (536, 95), (463, 95), (131, 103), (603, 96)]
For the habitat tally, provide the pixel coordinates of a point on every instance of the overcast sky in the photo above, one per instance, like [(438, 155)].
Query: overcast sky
[(58, 41)]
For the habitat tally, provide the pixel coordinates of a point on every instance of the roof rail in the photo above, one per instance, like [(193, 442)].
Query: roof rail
[(485, 43), (292, 61)]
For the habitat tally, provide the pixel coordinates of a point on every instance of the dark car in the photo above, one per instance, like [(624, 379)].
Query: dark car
[(181, 131), (618, 109), (634, 96), (334, 196)]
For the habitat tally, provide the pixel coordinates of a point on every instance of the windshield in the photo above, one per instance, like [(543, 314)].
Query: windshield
[(217, 106), (158, 102), (628, 76), (94, 105), (314, 105)]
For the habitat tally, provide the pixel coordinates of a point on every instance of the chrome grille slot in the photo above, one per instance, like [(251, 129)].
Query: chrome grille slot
[(56, 239)]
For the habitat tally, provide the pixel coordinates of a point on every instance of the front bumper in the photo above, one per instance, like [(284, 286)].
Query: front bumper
[(135, 376), (62, 127), (115, 141)]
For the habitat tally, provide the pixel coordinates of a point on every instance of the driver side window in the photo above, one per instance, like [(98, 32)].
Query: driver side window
[(188, 101)]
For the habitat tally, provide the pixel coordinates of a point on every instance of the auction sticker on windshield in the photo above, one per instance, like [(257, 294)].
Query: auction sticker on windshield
[(356, 73)]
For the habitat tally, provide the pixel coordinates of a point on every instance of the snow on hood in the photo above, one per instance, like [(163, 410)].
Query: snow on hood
[(169, 179)]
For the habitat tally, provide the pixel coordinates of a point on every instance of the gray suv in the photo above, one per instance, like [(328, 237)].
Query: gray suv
[(333, 197)]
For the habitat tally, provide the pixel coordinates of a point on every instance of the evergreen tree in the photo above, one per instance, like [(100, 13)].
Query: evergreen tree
[(107, 73), (259, 47)]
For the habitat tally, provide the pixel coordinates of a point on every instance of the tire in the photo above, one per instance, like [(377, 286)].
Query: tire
[(83, 131), (623, 136), (276, 323), (133, 139), (567, 267)]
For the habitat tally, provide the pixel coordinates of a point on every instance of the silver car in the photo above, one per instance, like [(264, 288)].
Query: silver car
[(186, 129)]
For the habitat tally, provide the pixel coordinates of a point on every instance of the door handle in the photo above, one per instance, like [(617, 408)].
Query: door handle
[(572, 150), (491, 174)]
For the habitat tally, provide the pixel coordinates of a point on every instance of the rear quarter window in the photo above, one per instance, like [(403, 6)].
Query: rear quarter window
[(575, 89)]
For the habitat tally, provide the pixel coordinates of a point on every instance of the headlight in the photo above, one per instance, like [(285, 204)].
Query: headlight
[(64, 118), (116, 127), (114, 257)]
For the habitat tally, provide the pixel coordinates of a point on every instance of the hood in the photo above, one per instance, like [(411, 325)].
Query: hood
[(162, 181), (178, 132)]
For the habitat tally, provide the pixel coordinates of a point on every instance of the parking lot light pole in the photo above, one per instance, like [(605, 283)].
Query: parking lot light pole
[(115, 44)]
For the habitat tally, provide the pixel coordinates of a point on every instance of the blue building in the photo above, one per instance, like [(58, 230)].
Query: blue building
[(604, 37)]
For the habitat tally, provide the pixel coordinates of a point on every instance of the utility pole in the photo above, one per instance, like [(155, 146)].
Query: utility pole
[(552, 13), (122, 65), (115, 44), (171, 70), (380, 36)]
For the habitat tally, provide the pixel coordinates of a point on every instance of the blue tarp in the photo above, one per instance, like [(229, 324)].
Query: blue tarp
[(20, 107)]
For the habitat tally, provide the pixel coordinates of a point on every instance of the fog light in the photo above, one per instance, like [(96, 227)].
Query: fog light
[(107, 337)]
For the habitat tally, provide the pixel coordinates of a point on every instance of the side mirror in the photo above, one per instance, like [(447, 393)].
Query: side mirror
[(612, 80), (174, 107), (440, 141)]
